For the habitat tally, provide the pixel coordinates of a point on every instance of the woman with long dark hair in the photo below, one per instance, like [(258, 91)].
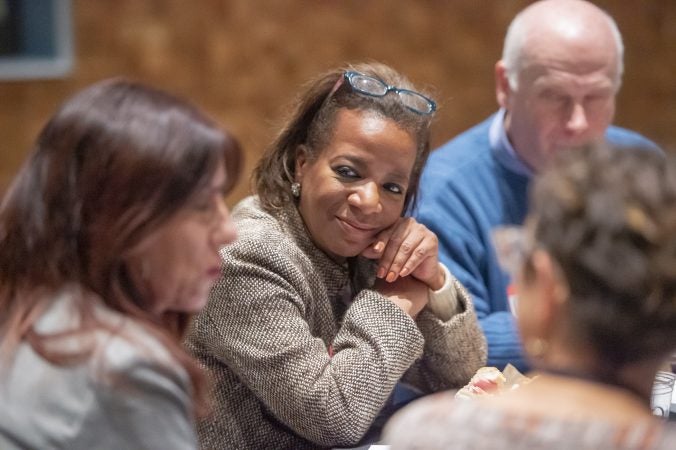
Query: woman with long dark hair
[(109, 240)]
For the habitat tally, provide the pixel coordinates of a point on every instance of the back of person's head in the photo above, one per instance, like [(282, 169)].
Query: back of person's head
[(608, 219), (563, 21), (113, 164), (311, 121)]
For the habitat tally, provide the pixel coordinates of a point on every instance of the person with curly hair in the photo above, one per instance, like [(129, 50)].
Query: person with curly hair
[(595, 275)]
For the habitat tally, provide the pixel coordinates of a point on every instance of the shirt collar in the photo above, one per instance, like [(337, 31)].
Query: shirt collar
[(502, 148)]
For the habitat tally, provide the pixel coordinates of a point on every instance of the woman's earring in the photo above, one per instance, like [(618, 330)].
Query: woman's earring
[(536, 347), (295, 189)]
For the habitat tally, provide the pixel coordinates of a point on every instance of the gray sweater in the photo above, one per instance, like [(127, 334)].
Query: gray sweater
[(303, 353), (130, 394)]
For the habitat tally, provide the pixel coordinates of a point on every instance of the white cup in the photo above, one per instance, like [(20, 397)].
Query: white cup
[(663, 387)]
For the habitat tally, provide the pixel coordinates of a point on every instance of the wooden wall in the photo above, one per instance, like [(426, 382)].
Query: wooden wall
[(244, 60)]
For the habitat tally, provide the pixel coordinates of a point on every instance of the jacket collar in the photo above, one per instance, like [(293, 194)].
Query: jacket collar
[(335, 274)]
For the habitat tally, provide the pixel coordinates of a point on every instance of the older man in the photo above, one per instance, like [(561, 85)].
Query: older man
[(556, 84)]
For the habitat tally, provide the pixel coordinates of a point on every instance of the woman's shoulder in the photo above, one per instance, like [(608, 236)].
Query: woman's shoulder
[(110, 363), (274, 239), (251, 218), (257, 227), (133, 373), (426, 410), (130, 345), (276, 249), (440, 421), (112, 341)]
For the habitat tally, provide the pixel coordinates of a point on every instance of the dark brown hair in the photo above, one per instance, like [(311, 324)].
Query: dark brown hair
[(311, 124), (114, 163), (608, 218)]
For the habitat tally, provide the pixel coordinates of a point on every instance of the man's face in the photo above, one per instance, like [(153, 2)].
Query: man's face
[(563, 100)]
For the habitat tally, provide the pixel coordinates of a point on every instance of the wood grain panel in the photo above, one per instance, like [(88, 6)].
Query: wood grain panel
[(244, 60)]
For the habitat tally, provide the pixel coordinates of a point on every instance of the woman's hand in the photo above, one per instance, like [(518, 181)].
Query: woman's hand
[(407, 248), (407, 293)]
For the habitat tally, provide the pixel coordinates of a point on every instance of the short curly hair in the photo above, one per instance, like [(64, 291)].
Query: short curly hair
[(311, 123), (608, 218)]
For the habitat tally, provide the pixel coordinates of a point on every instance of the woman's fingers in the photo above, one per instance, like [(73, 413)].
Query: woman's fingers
[(402, 250), (409, 245), (406, 248), (392, 237), (375, 250), (424, 251)]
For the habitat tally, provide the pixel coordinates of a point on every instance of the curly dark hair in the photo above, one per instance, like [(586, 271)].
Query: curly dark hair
[(311, 122), (608, 218)]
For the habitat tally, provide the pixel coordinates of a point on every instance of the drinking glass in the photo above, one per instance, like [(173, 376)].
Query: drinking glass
[(663, 387)]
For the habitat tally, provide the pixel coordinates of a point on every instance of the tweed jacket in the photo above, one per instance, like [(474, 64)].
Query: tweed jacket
[(296, 365)]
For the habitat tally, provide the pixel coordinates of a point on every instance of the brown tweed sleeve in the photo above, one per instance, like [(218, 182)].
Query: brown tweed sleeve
[(270, 322), (454, 349)]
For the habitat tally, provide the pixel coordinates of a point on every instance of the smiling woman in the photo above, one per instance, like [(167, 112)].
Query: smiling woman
[(357, 185), (332, 301)]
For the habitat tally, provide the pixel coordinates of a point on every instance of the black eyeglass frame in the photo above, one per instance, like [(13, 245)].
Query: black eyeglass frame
[(350, 77)]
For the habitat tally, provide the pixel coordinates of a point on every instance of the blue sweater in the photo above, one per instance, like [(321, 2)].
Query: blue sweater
[(467, 189)]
